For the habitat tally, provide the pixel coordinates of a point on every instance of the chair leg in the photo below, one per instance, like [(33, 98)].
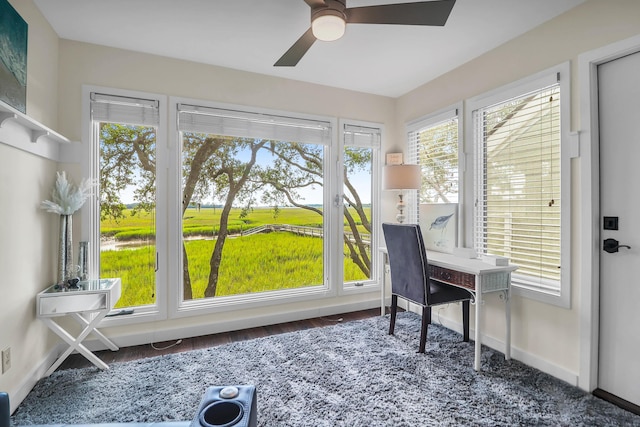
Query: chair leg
[(465, 321), (426, 319), (393, 310)]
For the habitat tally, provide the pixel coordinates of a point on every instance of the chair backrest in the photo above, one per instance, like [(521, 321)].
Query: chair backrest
[(407, 261)]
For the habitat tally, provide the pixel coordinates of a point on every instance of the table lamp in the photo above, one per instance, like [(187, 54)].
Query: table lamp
[(401, 177)]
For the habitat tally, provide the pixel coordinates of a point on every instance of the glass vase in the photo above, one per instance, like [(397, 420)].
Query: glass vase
[(65, 253)]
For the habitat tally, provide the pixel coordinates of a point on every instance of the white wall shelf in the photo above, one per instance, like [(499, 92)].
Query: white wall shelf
[(36, 130)]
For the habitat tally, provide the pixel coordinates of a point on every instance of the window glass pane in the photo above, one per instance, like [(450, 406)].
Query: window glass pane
[(128, 209), (518, 212), (252, 215), (357, 213)]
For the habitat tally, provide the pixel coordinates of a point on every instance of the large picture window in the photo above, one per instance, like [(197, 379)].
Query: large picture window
[(252, 202), (234, 208)]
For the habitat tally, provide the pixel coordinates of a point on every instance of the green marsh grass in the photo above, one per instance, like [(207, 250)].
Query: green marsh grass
[(256, 263)]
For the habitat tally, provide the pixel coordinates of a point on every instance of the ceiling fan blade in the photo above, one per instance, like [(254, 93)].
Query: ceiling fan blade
[(420, 13), (315, 3), (297, 51)]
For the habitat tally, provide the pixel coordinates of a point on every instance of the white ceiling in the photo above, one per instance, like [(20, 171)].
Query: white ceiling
[(251, 35)]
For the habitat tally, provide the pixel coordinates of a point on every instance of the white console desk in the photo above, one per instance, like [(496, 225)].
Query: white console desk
[(94, 298), (472, 274)]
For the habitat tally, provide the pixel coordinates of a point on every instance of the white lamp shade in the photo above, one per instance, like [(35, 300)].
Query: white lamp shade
[(327, 26), (401, 177)]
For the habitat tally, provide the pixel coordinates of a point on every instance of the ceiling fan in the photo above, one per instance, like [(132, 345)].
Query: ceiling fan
[(330, 17)]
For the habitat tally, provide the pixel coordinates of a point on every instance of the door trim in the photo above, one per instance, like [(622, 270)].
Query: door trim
[(590, 205)]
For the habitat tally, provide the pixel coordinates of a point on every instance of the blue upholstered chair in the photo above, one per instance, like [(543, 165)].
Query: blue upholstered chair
[(410, 278), (5, 410)]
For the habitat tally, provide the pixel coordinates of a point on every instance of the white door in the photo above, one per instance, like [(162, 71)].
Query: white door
[(619, 110)]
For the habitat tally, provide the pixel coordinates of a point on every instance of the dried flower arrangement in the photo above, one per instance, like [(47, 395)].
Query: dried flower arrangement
[(67, 198)]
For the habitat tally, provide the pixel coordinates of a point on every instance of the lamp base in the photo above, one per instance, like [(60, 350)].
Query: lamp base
[(400, 206)]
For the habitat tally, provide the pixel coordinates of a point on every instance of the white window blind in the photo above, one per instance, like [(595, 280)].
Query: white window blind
[(434, 145), (245, 124), (361, 136), (125, 110), (518, 185)]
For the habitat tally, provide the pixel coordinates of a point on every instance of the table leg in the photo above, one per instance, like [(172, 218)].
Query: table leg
[(75, 343), (507, 310), (106, 341), (478, 347)]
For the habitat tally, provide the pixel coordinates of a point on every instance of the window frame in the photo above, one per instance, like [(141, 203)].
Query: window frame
[(169, 304), (373, 283), (90, 219), (560, 74), (430, 120), (179, 308)]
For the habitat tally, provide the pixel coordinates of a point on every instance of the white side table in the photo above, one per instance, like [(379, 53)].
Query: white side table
[(94, 297)]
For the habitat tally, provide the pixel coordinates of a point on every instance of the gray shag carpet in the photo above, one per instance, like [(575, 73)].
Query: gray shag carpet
[(348, 374)]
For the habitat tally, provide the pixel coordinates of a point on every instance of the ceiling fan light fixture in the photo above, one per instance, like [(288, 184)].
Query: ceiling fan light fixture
[(328, 25), (330, 17)]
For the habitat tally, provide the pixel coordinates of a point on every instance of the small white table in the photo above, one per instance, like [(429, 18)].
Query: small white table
[(473, 275), (93, 297)]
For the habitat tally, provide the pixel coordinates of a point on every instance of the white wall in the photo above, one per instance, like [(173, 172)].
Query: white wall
[(27, 233), (543, 335), (82, 63)]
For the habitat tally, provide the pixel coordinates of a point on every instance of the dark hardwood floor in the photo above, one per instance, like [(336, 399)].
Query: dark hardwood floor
[(187, 344)]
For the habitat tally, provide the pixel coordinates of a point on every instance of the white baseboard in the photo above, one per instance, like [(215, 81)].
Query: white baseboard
[(527, 358), (30, 380)]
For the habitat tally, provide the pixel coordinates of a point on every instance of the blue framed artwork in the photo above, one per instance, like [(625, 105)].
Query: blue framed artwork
[(439, 226), (13, 57)]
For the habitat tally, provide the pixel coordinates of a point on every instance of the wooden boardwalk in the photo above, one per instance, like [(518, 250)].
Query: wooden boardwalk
[(300, 230)]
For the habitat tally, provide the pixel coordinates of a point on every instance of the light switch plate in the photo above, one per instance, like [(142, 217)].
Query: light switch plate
[(6, 359)]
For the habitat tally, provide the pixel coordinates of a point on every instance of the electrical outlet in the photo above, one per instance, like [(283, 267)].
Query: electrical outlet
[(6, 359)]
